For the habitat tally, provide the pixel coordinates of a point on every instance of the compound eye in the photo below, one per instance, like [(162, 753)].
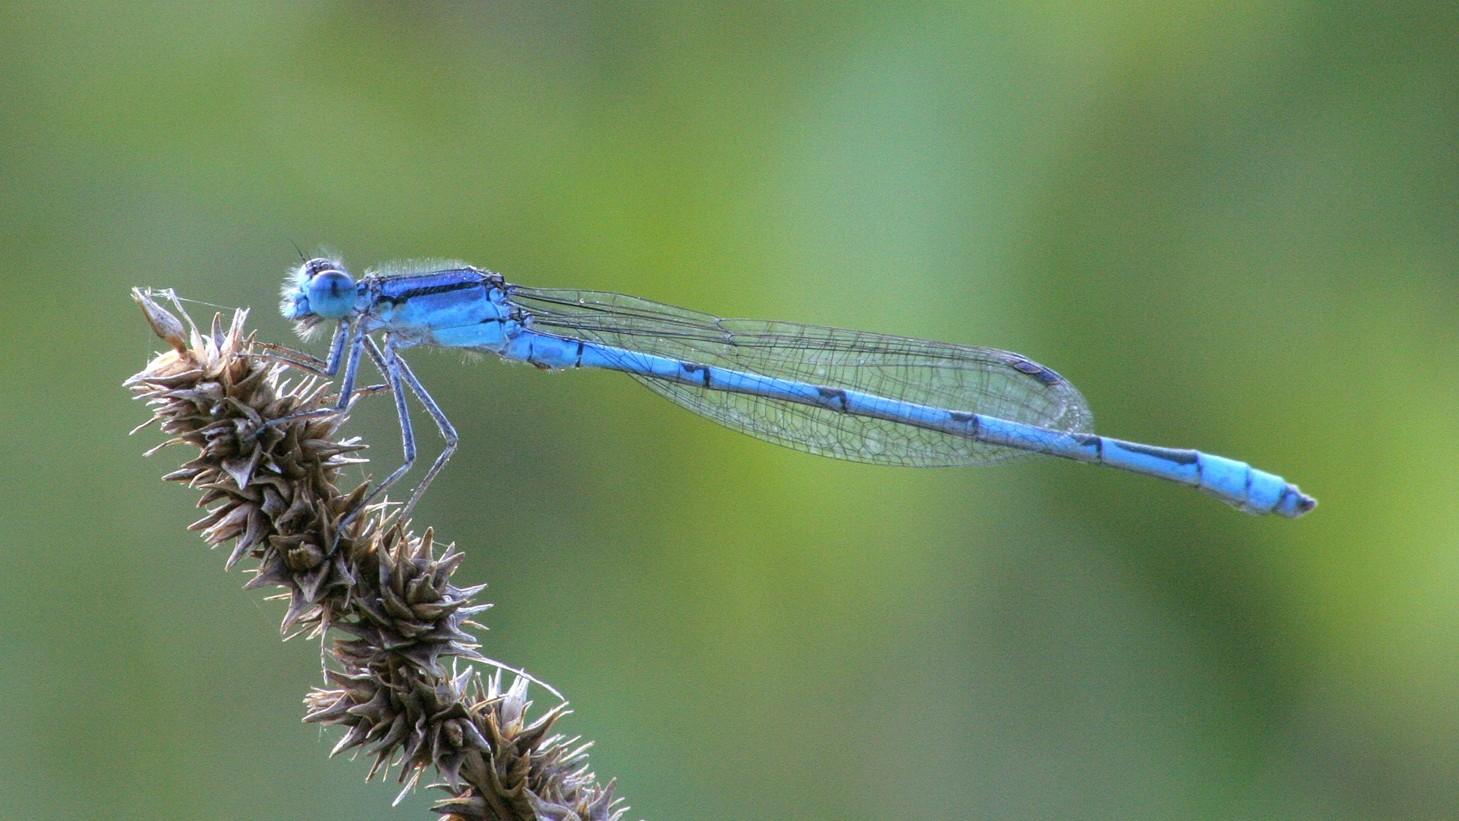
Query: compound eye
[(331, 294)]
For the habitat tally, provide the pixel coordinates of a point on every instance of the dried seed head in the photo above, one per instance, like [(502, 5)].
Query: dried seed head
[(268, 481)]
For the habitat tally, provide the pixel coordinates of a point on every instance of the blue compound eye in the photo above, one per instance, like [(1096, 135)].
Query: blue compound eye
[(331, 294)]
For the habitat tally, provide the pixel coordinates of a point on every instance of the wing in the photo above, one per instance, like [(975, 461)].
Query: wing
[(956, 377)]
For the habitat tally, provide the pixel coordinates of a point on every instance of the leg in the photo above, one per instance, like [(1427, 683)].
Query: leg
[(390, 366), (311, 364), (299, 359), (346, 389), (448, 432), (344, 350)]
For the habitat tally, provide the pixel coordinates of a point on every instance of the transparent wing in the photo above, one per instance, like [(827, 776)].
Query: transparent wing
[(956, 377)]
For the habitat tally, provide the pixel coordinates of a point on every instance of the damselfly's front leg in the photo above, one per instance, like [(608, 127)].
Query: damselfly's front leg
[(341, 351), (311, 364), (303, 360)]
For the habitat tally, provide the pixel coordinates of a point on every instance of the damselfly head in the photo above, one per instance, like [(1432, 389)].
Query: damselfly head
[(316, 290)]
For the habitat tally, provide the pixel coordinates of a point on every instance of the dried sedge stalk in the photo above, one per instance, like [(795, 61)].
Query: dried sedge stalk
[(272, 490)]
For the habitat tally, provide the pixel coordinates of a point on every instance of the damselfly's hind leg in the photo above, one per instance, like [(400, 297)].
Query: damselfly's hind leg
[(388, 365), (400, 376), (448, 432)]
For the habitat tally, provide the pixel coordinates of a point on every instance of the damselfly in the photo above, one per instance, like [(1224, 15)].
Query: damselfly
[(852, 395)]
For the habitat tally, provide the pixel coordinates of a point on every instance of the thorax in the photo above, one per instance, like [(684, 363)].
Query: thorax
[(432, 308)]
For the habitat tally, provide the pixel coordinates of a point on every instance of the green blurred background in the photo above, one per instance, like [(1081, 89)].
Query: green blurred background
[(1234, 226)]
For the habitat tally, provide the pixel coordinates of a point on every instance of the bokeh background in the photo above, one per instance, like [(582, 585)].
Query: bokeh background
[(1234, 226)]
